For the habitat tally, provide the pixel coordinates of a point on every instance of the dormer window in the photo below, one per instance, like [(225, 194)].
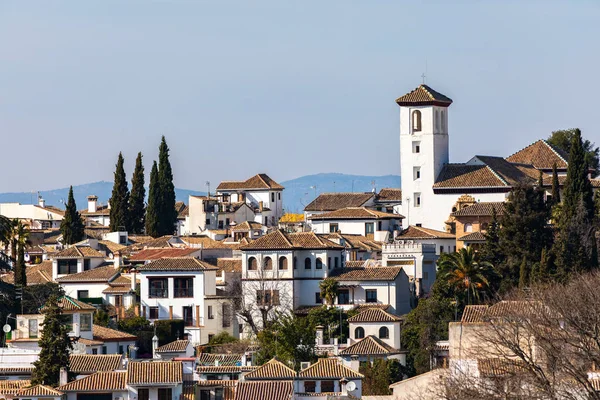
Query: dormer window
[(416, 121)]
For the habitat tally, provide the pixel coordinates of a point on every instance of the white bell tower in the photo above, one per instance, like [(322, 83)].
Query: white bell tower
[(423, 152)]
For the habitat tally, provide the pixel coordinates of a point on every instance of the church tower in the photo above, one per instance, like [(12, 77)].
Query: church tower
[(423, 152)]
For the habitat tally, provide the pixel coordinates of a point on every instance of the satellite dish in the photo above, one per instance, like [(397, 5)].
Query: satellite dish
[(6, 328), (351, 386)]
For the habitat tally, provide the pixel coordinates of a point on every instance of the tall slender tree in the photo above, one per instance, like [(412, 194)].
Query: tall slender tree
[(577, 184), (54, 344), (22, 241), (119, 200), (71, 226), (137, 208), (153, 212), (168, 214), (555, 186)]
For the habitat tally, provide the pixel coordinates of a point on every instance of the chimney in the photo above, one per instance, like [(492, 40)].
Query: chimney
[(133, 281), (117, 260), (92, 203), (154, 346), (63, 377), (260, 206), (41, 202)]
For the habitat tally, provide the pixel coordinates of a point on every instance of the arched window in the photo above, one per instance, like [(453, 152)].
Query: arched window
[(319, 264), (468, 228), (307, 263), (359, 333), (252, 264), (267, 263), (416, 121), (384, 333), (282, 262)]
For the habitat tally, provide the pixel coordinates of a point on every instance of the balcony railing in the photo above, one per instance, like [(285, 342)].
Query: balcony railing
[(184, 292), (159, 293)]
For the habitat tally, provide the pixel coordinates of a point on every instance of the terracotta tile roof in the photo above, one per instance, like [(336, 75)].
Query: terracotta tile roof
[(182, 210), (360, 307), (37, 274), (329, 368), (177, 346), (247, 226), (52, 209), (13, 387), (202, 241), (282, 240), (289, 218), (223, 359), (51, 236), (139, 239), (512, 174), (89, 342), (177, 264), (424, 96), (483, 313), (370, 345), (156, 254), (335, 201), (119, 289), (355, 263), (218, 382), (98, 274), (356, 242), (355, 213), (473, 313), (16, 370), (114, 381), (111, 335), (374, 315), (229, 264), (542, 155), (265, 390), (67, 303), (224, 369), (39, 391), (417, 232), (483, 209), (463, 175), (273, 369), (112, 247), (499, 367), (90, 363), (473, 237), (257, 182), (79, 252), (366, 274), (390, 194), (100, 210), (143, 373)]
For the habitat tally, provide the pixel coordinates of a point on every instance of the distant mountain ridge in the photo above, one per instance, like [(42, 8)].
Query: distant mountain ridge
[(298, 192)]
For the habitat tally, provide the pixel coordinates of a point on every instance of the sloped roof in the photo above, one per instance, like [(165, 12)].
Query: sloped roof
[(424, 96), (90, 363), (499, 367), (177, 346), (177, 264), (335, 201), (37, 274), (542, 155), (229, 264), (143, 373), (282, 240), (202, 241), (355, 213), (389, 194), (39, 391), (79, 252), (182, 210), (352, 241), (483, 313), (98, 274), (156, 254), (512, 174), (264, 390), (329, 368), (366, 273), (273, 369), (13, 387), (374, 315), (482, 209), (370, 345), (290, 218), (473, 237), (67, 303), (417, 232), (223, 359), (110, 335), (257, 182), (247, 226), (463, 175), (113, 381)]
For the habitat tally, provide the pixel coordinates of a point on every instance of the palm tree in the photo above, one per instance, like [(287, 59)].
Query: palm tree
[(465, 274), (329, 290)]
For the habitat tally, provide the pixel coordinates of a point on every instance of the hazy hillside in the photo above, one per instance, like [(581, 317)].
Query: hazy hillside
[(297, 194)]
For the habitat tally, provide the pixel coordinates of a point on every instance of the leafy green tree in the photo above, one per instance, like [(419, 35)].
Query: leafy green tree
[(35, 296), (330, 319), (563, 139), (71, 226), (119, 200), (153, 210), (465, 274), (329, 290), (137, 208), (55, 345), (101, 318), (577, 185), (133, 324), (168, 214), (219, 340), (377, 378), (491, 251), (291, 339)]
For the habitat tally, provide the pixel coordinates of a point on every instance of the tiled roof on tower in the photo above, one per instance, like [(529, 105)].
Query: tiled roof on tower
[(424, 96)]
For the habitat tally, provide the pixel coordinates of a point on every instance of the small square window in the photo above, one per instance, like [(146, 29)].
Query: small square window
[(318, 299), (371, 295), (153, 313)]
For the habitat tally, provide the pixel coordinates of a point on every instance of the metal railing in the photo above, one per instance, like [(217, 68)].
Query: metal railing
[(159, 293), (184, 292)]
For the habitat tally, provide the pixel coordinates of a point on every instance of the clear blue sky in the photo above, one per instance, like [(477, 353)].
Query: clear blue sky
[(287, 88)]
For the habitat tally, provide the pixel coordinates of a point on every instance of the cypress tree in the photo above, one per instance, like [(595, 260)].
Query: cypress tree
[(55, 345), (152, 211), (119, 200), (168, 214), (577, 184), (523, 274), (555, 186), (542, 272), (71, 226), (137, 209), (20, 270), (491, 251)]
